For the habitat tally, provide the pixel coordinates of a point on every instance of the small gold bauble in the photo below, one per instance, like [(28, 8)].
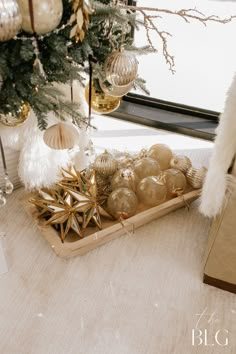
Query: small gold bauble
[(180, 162), (175, 181), (146, 167), (12, 121), (162, 153), (195, 176), (101, 102), (122, 203), (121, 68), (126, 178), (151, 191), (105, 164)]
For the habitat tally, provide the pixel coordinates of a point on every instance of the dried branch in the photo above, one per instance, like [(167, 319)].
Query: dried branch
[(186, 14)]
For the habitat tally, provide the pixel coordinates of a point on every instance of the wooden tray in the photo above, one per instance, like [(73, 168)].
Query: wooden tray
[(111, 229)]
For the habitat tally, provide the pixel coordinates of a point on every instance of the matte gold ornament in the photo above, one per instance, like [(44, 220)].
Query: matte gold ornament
[(181, 162), (105, 164), (122, 203), (82, 9), (161, 153), (121, 68), (175, 182), (195, 176), (61, 136), (146, 167), (125, 178), (116, 91), (101, 102), (10, 19), (47, 15), (12, 121), (151, 191)]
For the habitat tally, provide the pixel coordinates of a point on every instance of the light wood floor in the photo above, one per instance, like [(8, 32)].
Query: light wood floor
[(139, 294)]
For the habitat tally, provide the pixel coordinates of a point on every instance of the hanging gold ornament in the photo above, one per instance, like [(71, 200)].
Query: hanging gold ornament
[(161, 153), (195, 176), (10, 19), (181, 162), (116, 91), (125, 178), (12, 121), (47, 15), (175, 182), (82, 9), (101, 102), (122, 203), (61, 136), (121, 68), (146, 167), (105, 164)]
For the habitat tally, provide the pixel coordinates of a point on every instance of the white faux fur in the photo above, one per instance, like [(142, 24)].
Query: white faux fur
[(217, 179), (39, 166)]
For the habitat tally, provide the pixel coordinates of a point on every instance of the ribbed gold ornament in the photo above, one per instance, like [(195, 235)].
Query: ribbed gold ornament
[(116, 91), (121, 68), (101, 102), (195, 176), (12, 121), (105, 164), (10, 19), (181, 162)]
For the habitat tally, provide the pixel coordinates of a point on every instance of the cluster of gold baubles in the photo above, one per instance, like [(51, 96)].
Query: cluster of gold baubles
[(115, 187), (148, 178)]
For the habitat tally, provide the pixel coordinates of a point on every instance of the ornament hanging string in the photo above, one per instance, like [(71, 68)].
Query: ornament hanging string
[(3, 157), (90, 89), (35, 42)]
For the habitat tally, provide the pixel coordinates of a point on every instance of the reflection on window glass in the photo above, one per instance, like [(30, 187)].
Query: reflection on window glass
[(205, 57)]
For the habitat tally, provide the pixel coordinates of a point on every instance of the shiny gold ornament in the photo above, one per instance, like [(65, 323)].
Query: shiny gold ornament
[(101, 102), (161, 153), (180, 162), (116, 91), (125, 178), (105, 164), (10, 19), (12, 121), (175, 182), (146, 167), (121, 68), (195, 176), (122, 203), (61, 136), (47, 15), (151, 191), (82, 9)]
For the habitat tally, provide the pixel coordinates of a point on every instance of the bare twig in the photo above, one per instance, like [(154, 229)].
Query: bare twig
[(186, 14)]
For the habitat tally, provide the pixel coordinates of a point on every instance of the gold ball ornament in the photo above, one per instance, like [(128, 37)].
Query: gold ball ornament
[(10, 19), (12, 121), (116, 91), (121, 68), (101, 102), (181, 162), (175, 182), (195, 176), (47, 15), (126, 178), (151, 191), (61, 136), (122, 203), (105, 164), (146, 167), (161, 153)]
